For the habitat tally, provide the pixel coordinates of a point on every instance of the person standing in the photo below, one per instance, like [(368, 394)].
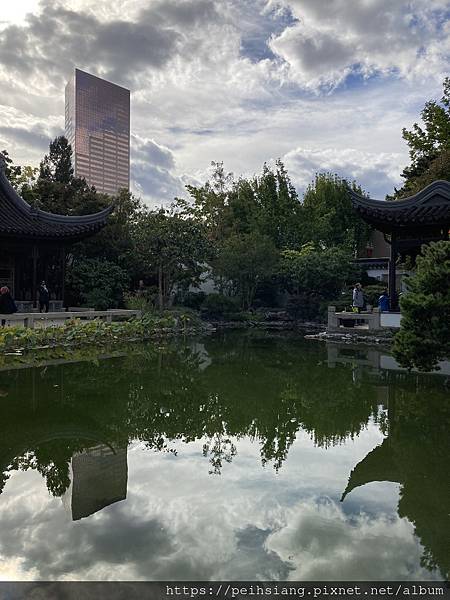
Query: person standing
[(383, 301), (7, 304), (44, 298), (358, 297)]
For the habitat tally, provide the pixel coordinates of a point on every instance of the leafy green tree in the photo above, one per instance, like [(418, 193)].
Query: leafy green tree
[(171, 248), (96, 283), (57, 164), (280, 214), (57, 190), (246, 260), (329, 218), (424, 336), (267, 205), (22, 178), (429, 146), (209, 203), (314, 277), (114, 242)]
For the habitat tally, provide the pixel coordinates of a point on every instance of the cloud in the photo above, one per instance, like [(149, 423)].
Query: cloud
[(260, 526), (57, 38), (149, 152), (152, 168), (34, 138), (377, 172), (321, 543), (243, 81), (335, 38)]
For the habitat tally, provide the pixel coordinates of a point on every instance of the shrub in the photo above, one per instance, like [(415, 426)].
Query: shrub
[(373, 292), (74, 332), (192, 300), (143, 301), (218, 306)]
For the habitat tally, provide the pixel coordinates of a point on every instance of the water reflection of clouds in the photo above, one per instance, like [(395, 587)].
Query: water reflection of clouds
[(178, 522)]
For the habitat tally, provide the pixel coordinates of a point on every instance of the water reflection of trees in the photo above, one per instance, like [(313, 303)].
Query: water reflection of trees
[(263, 388), (416, 454)]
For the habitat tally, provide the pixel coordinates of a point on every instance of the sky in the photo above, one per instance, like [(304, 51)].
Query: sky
[(325, 85)]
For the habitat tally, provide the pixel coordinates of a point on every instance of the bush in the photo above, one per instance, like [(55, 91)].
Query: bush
[(75, 332), (305, 307), (373, 292), (218, 306), (192, 300), (143, 301)]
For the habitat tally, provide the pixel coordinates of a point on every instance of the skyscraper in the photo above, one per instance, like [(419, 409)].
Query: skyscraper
[(98, 128)]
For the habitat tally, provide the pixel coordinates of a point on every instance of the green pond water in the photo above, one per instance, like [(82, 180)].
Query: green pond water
[(230, 457)]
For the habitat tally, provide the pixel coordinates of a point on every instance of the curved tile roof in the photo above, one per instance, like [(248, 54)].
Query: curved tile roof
[(429, 207), (19, 219)]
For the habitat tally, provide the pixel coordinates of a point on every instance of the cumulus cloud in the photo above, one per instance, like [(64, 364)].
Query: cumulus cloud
[(334, 38), (377, 171), (321, 543), (260, 531), (152, 168), (232, 81), (57, 38), (34, 138)]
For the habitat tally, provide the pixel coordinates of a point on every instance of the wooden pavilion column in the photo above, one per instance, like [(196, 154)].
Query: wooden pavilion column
[(34, 252), (63, 274), (392, 273)]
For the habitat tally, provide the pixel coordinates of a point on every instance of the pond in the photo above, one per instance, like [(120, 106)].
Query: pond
[(236, 456)]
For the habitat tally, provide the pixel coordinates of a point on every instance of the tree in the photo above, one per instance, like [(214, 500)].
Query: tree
[(22, 178), (280, 211), (114, 241), (315, 277), (209, 203), (330, 220), (97, 283), (429, 146), (424, 336), (58, 191), (171, 248), (57, 164), (267, 205), (246, 260)]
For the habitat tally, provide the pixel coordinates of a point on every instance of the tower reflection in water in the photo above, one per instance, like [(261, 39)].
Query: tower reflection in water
[(99, 477)]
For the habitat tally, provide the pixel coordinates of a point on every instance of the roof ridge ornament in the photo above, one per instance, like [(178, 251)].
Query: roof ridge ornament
[(2, 162)]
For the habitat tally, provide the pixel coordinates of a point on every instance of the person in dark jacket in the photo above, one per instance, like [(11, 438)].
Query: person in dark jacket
[(7, 304), (44, 298), (383, 301)]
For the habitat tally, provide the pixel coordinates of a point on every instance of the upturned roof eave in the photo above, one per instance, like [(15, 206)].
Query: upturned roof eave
[(98, 218), (438, 187)]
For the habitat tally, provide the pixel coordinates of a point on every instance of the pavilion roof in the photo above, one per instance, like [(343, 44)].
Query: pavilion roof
[(19, 219), (428, 208)]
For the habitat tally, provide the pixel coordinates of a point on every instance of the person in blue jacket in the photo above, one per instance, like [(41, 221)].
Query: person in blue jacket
[(383, 301)]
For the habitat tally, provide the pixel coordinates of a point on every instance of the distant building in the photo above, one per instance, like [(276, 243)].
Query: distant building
[(97, 123)]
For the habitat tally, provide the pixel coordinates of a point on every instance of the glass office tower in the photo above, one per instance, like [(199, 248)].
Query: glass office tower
[(98, 129)]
